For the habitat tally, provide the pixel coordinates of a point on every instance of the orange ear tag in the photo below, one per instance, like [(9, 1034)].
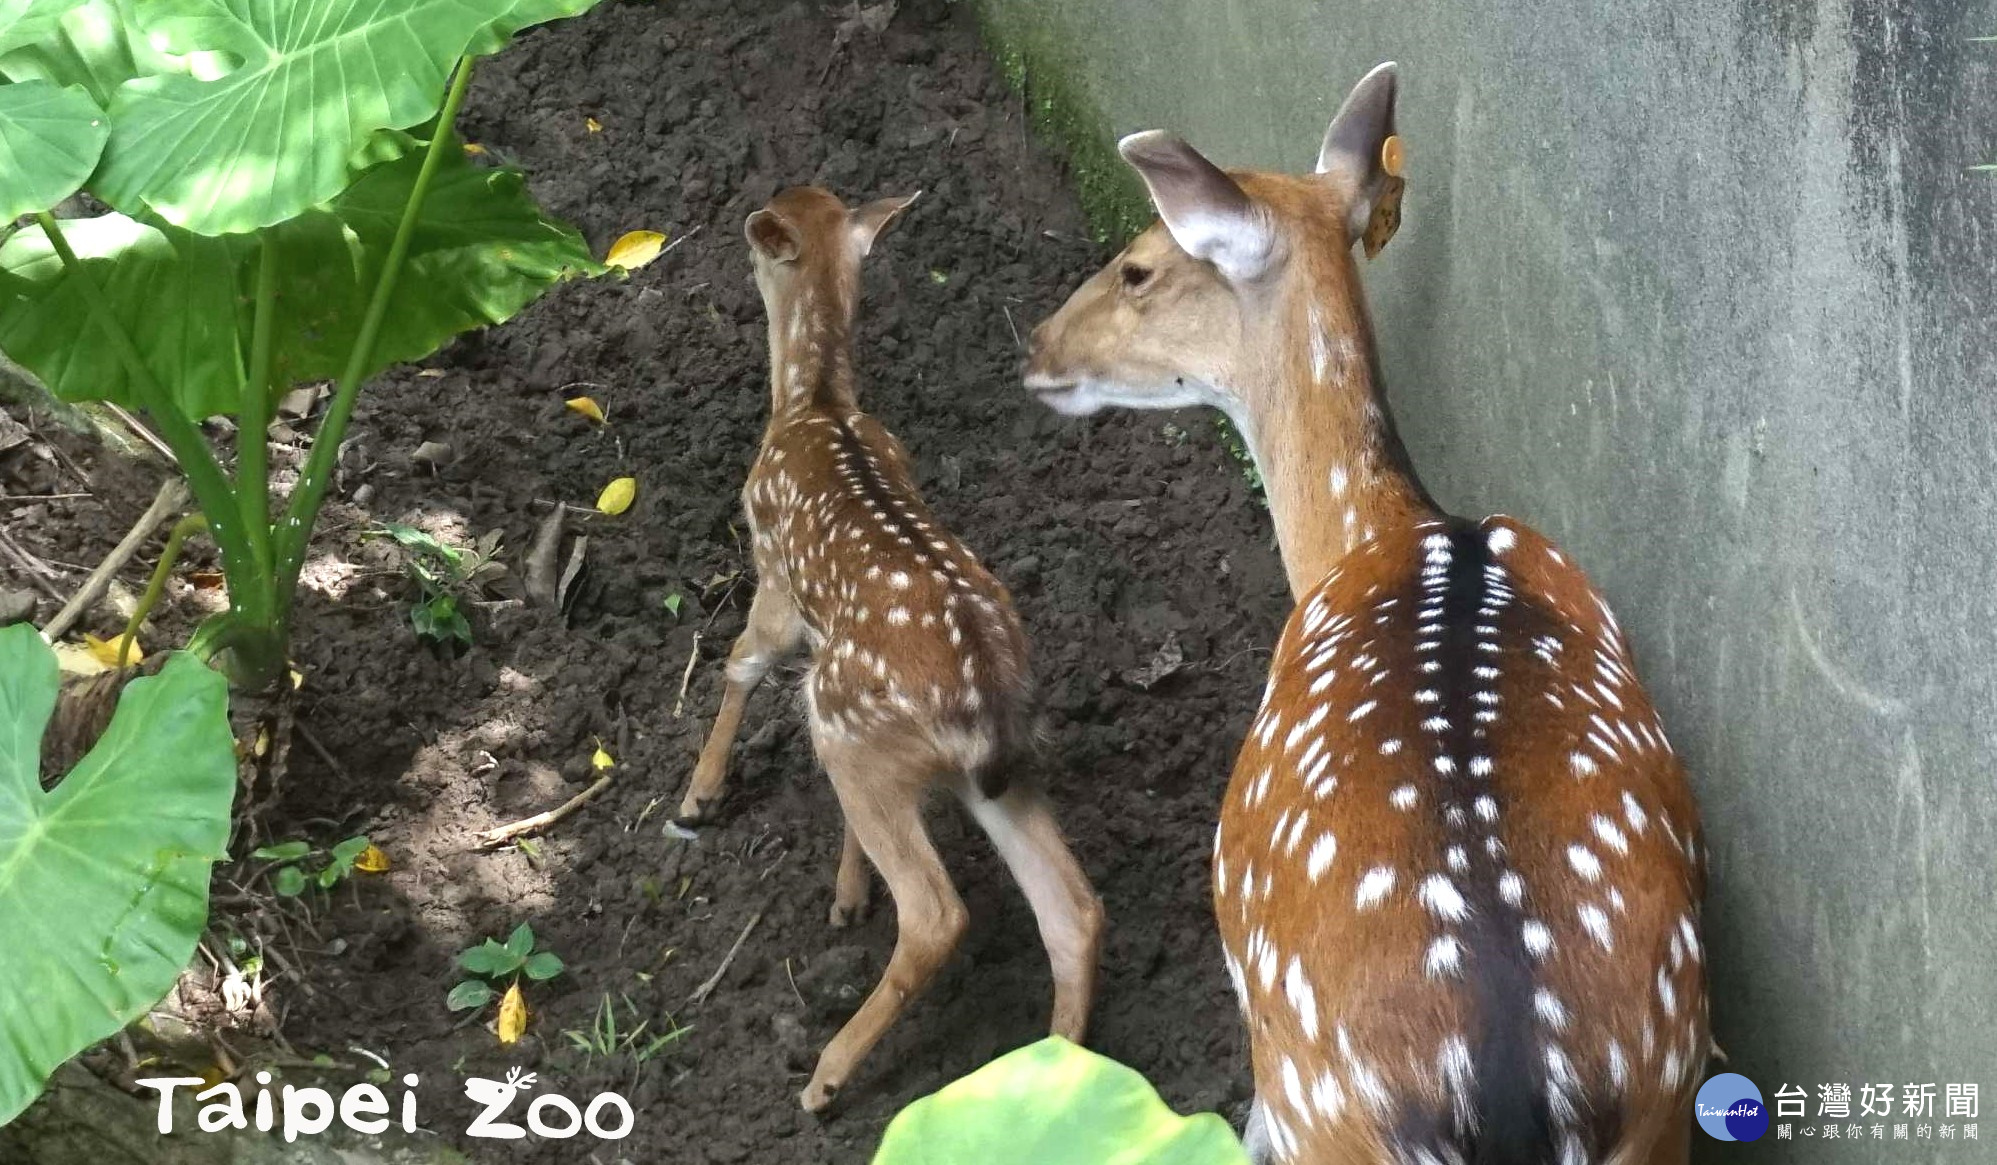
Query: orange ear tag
[(1391, 156), (1386, 218)]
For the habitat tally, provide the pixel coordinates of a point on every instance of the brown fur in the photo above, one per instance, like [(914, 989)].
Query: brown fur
[(919, 670), (1443, 926)]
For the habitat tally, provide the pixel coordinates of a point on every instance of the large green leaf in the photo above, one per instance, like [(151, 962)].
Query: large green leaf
[(93, 43), (103, 879), (1052, 1103), (278, 133), (481, 251), (174, 293), (49, 141)]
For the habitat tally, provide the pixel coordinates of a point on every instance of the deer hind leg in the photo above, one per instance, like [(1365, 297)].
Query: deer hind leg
[(773, 631), (882, 798), (851, 892), (1022, 828)]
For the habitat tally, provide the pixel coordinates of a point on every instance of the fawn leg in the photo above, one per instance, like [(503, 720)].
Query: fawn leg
[(850, 893), (1022, 827), (883, 804), (773, 631)]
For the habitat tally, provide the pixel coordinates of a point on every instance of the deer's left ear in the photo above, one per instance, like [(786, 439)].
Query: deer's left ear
[(870, 220), (1362, 150)]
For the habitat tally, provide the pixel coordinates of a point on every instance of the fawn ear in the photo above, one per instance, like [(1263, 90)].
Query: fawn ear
[(1362, 150), (870, 220), (1207, 212), (772, 235)]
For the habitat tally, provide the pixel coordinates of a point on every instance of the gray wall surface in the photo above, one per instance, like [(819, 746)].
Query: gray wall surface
[(1703, 290)]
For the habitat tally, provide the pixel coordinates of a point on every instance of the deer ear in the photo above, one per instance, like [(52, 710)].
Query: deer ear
[(870, 220), (772, 235), (1208, 213), (1362, 149)]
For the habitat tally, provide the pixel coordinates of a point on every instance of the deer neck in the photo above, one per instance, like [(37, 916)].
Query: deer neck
[(1331, 462), (811, 343)]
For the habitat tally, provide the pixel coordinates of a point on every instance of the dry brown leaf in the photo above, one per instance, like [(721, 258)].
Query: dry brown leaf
[(105, 651), (635, 249), (618, 496), (512, 1015), (587, 407)]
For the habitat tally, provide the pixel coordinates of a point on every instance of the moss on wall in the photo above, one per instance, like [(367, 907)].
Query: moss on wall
[(1026, 44)]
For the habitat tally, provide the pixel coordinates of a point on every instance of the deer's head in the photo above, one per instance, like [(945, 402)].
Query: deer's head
[(1195, 309)]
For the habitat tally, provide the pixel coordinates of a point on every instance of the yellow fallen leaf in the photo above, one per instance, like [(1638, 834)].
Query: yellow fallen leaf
[(512, 1015), (474, 149), (297, 678), (586, 407), (106, 650), (594, 125), (262, 744), (371, 860), (431, 372), (635, 250), (618, 496), (601, 759), (74, 659)]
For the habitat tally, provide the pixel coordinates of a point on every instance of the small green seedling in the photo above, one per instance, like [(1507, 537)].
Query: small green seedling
[(492, 964), (605, 1040), (673, 603), (447, 576), (300, 865), (1238, 449)]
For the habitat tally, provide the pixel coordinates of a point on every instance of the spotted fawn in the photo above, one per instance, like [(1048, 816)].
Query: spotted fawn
[(918, 672), (1458, 868)]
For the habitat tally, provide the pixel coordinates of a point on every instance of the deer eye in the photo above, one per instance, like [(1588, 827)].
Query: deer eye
[(1135, 275)]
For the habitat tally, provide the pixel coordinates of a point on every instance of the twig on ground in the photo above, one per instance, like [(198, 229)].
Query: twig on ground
[(139, 430), (701, 992), (686, 677), (172, 496), (312, 742), (490, 838), (37, 571), (11, 499)]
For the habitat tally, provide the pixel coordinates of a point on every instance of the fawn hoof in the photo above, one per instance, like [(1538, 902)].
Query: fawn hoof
[(846, 914), (817, 1096), (696, 811)]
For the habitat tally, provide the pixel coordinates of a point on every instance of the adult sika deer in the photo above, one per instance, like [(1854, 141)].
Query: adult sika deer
[(1458, 868), (919, 671)]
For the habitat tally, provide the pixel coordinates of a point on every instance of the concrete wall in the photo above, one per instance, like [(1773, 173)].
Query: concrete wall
[(1703, 289)]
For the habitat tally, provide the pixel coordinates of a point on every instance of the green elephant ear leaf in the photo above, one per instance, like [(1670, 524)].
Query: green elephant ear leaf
[(50, 138), (104, 878), (1053, 1103), (481, 251), (315, 80), (93, 43)]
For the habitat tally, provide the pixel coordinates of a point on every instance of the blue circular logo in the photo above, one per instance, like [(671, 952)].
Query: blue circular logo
[(1730, 1108)]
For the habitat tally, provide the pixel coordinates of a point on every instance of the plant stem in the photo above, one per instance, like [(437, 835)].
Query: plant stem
[(317, 475), (197, 461), (253, 415), (190, 524)]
